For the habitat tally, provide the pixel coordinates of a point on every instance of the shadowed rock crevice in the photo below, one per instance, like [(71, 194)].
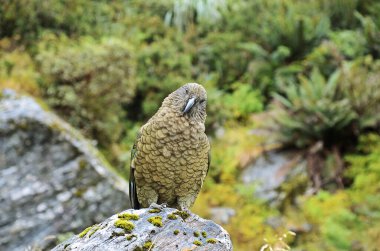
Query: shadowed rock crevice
[(52, 180)]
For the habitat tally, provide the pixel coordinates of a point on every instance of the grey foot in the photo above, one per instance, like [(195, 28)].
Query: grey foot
[(157, 206)]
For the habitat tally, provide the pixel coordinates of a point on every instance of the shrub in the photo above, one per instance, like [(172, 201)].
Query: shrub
[(313, 110), (294, 24), (27, 19), (348, 218), (329, 110), (351, 43), (88, 82), (159, 73), (243, 101), (18, 71), (325, 117)]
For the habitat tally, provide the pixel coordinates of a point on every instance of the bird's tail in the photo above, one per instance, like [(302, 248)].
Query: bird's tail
[(132, 191)]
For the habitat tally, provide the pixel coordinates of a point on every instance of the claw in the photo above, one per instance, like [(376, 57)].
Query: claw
[(157, 206)]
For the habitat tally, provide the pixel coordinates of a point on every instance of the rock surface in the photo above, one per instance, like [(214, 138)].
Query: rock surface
[(52, 180), (150, 229), (270, 170)]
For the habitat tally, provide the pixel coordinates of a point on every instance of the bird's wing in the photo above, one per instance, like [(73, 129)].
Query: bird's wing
[(132, 182), (209, 161)]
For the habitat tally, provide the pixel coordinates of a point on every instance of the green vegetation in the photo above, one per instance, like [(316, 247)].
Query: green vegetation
[(198, 243), (130, 237), (154, 210), (307, 71), (148, 245), (124, 224), (156, 221), (183, 214), (172, 217), (128, 216), (84, 232), (212, 241)]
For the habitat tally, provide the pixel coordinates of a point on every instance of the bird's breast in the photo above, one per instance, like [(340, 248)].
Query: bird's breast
[(172, 148)]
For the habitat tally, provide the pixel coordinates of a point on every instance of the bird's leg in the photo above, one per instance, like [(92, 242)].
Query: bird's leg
[(157, 206), (184, 203), (147, 196)]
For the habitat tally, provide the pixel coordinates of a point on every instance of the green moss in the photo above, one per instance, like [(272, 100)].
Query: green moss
[(172, 217), (211, 240), (82, 164), (156, 221), (79, 192), (196, 234), (184, 215), (198, 243), (93, 230), (117, 234), (176, 232), (84, 232), (130, 237), (204, 234), (124, 224), (148, 245), (137, 249), (154, 210), (127, 216)]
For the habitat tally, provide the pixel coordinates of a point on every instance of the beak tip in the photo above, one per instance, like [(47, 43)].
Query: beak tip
[(190, 103)]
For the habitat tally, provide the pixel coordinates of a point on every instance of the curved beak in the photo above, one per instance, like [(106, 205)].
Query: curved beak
[(189, 105)]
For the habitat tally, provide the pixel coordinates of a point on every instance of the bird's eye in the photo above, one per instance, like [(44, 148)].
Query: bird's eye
[(187, 91), (202, 101)]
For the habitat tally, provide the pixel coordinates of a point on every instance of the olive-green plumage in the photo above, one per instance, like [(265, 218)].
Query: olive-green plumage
[(170, 158)]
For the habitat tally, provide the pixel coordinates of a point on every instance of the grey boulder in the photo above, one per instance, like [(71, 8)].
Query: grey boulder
[(52, 180)]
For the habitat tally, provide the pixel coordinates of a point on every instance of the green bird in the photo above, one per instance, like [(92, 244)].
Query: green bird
[(171, 155)]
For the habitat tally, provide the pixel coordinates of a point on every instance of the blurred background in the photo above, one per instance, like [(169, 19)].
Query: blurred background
[(293, 101)]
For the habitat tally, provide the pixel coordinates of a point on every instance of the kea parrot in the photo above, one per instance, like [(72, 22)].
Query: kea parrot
[(171, 155)]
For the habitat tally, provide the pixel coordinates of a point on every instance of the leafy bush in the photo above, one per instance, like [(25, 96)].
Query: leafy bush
[(27, 19), (160, 72), (351, 43), (348, 219), (297, 25), (340, 12), (325, 117), (371, 31), (313, 110), (88, 82), (243, 101), (18, 71), (360, 84), (316, 109)]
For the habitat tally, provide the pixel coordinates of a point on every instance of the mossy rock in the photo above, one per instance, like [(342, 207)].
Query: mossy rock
[(124, 224), (156, 221)]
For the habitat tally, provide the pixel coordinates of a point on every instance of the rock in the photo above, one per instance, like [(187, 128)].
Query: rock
[(222, 215), (150, 229), (52, 180), (271, 170)]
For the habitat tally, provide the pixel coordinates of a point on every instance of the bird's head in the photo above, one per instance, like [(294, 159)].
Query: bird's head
[(189, 100)]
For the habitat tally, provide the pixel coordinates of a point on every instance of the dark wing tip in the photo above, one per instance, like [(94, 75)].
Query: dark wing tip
[(132, 190), (208, 161), (132, 182)]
